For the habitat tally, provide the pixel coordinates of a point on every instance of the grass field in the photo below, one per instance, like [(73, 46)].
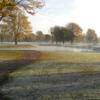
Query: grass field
[(15, 46), (12, 60), (57, 76)]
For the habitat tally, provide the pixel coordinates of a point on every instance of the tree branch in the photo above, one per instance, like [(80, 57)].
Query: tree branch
[(19, 2)]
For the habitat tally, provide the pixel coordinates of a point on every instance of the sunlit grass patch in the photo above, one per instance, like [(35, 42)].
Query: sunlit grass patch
[(51, 71), (10, 55), (54, 63), (71, 57)]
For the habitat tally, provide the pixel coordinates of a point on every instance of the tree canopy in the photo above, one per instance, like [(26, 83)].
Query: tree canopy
[(29, 6), (91, 36), (75, 28), (62, 34)]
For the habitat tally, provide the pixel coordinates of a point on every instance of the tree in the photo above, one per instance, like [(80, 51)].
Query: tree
[(75, 28), (47, 37), (80, 38), (7, 6), (18, 24), (40, 36), (30, 37), (68, 35), (91, 36), (3, 31), (55, 32), (9, 12), (62, 34)]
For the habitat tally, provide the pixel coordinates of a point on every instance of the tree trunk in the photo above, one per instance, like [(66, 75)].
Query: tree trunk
[(16, 42), (63, 40), (1, 18), (52, 39), (1, 39), (72, 42)]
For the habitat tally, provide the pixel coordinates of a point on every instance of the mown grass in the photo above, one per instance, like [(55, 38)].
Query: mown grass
[(6, 55), (57, 76), (16, 46), (8, 59), (53, 63), (90, 94), (72, 57), (11, 61)]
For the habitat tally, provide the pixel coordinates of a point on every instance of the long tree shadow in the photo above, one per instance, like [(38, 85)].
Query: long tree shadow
[(51, 85), (11, 65), (65, 83)]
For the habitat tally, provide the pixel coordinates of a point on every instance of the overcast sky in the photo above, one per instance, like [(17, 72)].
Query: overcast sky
[(61, 12)]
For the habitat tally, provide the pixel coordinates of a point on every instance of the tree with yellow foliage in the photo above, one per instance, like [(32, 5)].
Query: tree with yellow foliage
[(7, 6), (13, 13), (91, 36), (18, 24)]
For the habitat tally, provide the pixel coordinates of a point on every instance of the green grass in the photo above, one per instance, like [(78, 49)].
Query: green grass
[(6, 55), (89, 94), (53, 63), (36, 76), (15, 46), (10, 61), (72, 57)]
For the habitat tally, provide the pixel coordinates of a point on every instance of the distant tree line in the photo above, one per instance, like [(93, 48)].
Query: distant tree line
[(72, 32), (22, 31), (23, 34)]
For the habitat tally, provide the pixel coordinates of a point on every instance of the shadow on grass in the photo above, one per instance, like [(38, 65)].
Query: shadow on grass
[(9, 66), (12, 65), (57, 86), (68, 83)]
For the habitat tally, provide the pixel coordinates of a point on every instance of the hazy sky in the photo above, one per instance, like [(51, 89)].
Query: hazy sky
[(61, 12)]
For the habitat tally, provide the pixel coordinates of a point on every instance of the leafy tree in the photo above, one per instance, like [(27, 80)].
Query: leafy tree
[(91, 36), (40, 36), (75, 28), (21, 37), (9, 12), (47, 37), (3, 31), (18, 24), (55, 32), (7, 6), (30, 37), (62, 34), (80, 38), (68, 35)]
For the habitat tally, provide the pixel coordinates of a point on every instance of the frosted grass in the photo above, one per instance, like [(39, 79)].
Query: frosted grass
[(48, 86)]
